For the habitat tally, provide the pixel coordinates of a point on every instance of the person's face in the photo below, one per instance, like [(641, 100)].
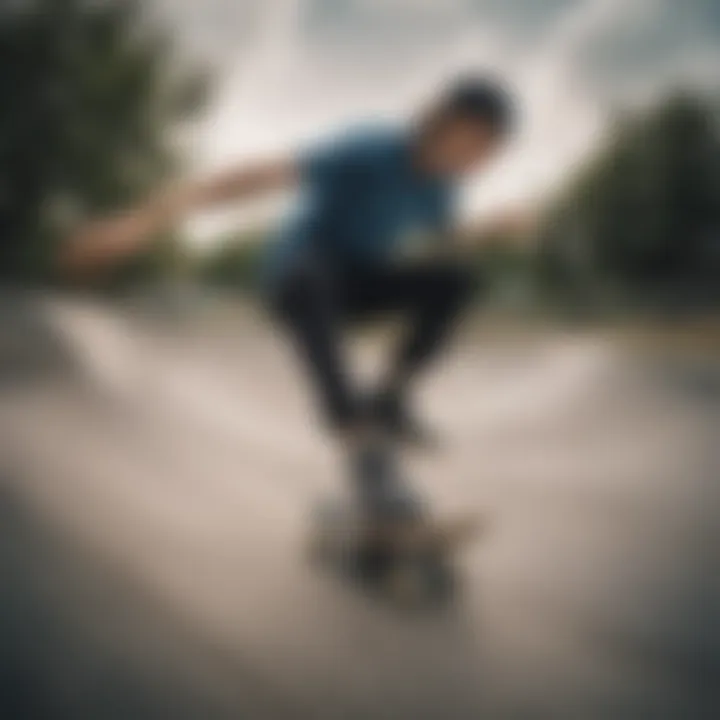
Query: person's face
[(460, 146)]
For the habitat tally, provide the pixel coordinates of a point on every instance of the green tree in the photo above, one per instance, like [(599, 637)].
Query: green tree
[(93, 96), (645, 211)]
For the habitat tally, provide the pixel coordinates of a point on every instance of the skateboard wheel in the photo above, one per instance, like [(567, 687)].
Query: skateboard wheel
[(372, 563)]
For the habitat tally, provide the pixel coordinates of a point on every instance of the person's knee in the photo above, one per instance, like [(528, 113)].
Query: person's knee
[(303, 286)]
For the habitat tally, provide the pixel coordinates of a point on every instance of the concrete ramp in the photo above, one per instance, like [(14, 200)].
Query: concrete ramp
[(48, 339), (150, 535), (32, 346)]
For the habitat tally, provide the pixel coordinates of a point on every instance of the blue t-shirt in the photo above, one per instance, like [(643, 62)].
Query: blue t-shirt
[(360, 197)]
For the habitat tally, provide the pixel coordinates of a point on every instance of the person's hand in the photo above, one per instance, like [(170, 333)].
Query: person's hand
[(103, 243)]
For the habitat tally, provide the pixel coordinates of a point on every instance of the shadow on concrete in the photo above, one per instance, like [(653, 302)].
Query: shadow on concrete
[(77, 641)]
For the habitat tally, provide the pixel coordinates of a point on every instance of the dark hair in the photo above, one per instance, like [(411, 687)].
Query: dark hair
[(480, 99)]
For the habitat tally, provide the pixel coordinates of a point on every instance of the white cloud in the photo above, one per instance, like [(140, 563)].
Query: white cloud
[(289, 80)]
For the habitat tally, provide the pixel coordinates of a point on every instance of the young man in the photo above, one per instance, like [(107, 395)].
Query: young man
[(337, 257)]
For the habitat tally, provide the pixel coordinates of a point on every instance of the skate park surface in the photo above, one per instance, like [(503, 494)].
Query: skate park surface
[(155, 483)]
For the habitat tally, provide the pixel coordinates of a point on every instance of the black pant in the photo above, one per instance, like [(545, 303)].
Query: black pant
[(317, 298)]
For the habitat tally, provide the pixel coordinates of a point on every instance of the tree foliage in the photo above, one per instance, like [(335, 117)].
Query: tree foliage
[(645, 211), (92, 95)]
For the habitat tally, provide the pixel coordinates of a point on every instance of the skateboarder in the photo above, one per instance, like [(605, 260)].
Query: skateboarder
[(363, 197)]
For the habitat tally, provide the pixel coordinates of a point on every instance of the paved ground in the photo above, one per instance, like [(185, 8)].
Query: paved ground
[(154, 489)]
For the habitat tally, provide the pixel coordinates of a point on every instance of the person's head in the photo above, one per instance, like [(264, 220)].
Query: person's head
[(465, 128)]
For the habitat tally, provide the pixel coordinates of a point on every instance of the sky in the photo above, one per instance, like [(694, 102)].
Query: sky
[(288, 72)]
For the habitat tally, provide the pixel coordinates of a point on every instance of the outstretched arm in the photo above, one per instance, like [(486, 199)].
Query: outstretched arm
[(103, 243)]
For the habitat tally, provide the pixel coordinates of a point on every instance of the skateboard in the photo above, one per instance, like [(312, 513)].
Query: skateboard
[(411, 561)]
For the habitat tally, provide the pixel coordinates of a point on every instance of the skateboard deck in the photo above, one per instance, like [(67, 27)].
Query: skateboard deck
[(447, 534), (383, 536), (410, 561)]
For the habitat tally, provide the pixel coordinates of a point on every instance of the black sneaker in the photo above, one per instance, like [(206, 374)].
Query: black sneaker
[(392, 415)]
